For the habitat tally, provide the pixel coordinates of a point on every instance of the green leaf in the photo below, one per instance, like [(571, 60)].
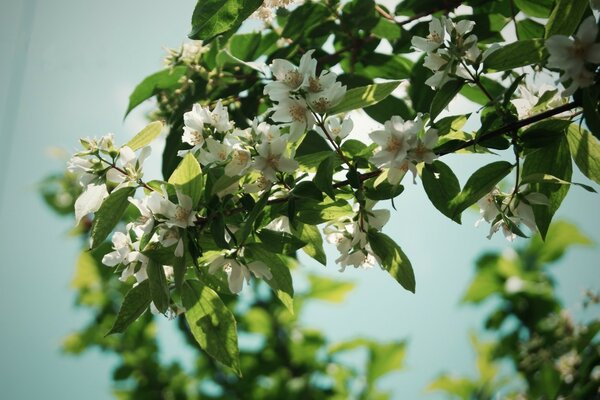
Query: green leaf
[(159, 289), (312, 150), (475, 94), (314, 213), (323, 179), (480, 184), (280, 242), (136, 301), (388, 107), (303, 19), (543, 133), (535, 8), (248, 225), (212, 324), (364, 96), (554, 160), (547, 178), (383, 359), (529, 29), (314, 241), (386, 29), (327, 289), (565, 17), (281, 282), (383, 191), (441, 186), (109, 214), (215, 17), (188, 178), (561, 235), (146, 135), (444, 96), (591, 111), (384, 66), (165, 79), (585, 149), (517, 54), (393, 259)]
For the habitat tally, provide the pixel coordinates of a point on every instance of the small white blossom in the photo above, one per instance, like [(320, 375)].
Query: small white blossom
[(434, 40), (572, 54), (272, 158), (337, 130), (90, 200), (297, 113), (237, 271)]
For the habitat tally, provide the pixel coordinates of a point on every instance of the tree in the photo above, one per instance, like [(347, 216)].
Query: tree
[(261, 150)]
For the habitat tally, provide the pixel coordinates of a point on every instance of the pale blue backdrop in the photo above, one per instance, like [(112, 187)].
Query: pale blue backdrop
[(66, 70)]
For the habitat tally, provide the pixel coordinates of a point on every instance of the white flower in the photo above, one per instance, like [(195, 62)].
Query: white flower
[(571, 54), (514, 285), (529, 99), (146, 221), (296, 112), (169, 236), (127, 253), (324, 100), (322, 82), (289, 77), (398, 169), (488, 207), (395, 140), (191, 50), (219, 118), (336, 129), (83, 169), (433, 40), (423, 150), (180, 215), (237, 272), (272, 158), (359, 258), (129, 163), (216, 152), (240, 161), (90, 200), (279, 224)]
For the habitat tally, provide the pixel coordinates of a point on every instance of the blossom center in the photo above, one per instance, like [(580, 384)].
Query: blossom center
[(297, 112), (293, 78), (181, 213)]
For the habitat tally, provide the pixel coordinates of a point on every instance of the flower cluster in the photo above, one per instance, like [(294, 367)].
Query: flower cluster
[(238, 269), (577, 57), (402, 144), (215, 141), (301, 94), (450, 48), (349, 235), (265, 11), (102, 167), (507, 211)]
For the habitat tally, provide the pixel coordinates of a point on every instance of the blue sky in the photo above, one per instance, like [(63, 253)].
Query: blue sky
[(67, 71)]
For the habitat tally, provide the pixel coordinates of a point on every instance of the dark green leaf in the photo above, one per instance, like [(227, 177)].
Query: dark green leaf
[(555, 160), (314, 241), (386, 29), (280, 242), (211, 323), (441, 186), (585, 150), (165, 79), (475, 94), (517, 54), (591, 111), (305, 18), (159, 289), (280, 265), (388, 107), (312, 150), (136, 301), (529, 29), (480, 184), (393, 259), (565, 17), (535, 8), (544, 133), (383, 191), (314, 213), (444, 96), (109, 214), (214, 17), (365, 96), (323, 179), (248, 225)]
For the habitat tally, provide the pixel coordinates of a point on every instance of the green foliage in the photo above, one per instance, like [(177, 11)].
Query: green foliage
[(585, 150), (365, 96), (187, 177), (441, 186), (146, 135), (517, 54), (136, 301), (110, 213), (393, 259), (165, 79), (211, 323), (565, 17), (214, 17)]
